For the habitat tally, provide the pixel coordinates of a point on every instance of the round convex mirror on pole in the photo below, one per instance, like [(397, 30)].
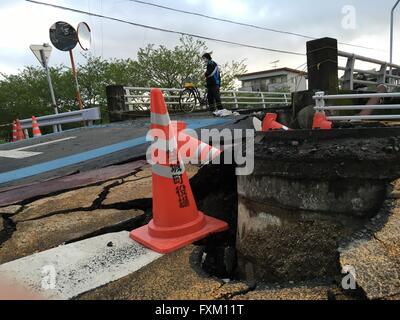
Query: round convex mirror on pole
[(84, 36), (64, 37)]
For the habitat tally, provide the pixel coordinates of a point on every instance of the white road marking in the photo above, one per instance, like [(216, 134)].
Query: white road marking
[(20, 154), (70, 270), (14, 154), (45, 143)]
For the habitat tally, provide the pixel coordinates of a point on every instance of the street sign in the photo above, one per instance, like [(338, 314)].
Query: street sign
[(46, 52)]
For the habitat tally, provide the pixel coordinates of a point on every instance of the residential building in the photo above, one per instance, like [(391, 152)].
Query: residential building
[(282, 79)]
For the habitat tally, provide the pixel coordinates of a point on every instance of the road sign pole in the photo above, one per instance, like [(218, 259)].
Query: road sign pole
[(75, 75), (53, 97)]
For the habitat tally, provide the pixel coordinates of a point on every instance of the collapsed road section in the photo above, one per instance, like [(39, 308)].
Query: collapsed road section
[(309, 191)]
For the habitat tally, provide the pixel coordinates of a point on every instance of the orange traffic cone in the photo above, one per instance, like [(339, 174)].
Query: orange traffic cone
[(20, 132), (191, 149), (270, 123), (321, 122), (176, 219), (14, 131), (35, 128)]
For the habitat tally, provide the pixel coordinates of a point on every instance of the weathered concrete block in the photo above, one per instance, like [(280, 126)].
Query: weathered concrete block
[(277, 245), (10, 209), (308, 191), (345, 196)]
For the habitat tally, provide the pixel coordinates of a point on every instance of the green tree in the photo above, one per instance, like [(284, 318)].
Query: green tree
[(170, 68), (27, 93)]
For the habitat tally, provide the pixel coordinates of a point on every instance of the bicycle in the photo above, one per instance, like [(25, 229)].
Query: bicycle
[(190, 98)]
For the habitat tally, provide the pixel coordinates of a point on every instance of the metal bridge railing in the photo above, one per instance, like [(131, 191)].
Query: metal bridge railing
[(138, 99), (320, 106), (383, 76), (84, 115)]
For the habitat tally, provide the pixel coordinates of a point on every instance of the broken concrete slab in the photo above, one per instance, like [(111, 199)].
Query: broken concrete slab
[(10, 209), (73, 200), (43, 234), (143, 172), (129, 191), (79, 267), (175, 275), (18, 194)]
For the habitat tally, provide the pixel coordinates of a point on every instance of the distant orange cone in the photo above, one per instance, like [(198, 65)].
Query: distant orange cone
[(14, 131), (35, 128), (20, 132), (191, 149), (321, 122), (270, 123), (176, 219)]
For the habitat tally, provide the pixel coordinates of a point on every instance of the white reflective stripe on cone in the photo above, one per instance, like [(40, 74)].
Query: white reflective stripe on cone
[(160, 119), (167, 171), (165, 145), (285, 128)]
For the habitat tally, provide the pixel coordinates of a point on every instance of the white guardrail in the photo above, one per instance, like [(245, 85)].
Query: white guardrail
[(138, 99), (85, 115), (321, 98), (383, 75)]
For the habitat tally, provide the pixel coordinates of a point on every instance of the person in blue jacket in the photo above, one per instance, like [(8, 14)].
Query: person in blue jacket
[(213, 79)]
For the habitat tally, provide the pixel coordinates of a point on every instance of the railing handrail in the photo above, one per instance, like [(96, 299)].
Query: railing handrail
[(90, 115), (357, 96), (201, 89), (367, 59), (138, 98), (320, 106)]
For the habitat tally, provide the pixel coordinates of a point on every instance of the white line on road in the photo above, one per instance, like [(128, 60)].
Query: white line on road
[(19, 154), (45, 143), (14, 154)]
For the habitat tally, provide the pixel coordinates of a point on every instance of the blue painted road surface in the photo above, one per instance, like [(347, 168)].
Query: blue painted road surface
[(81, 149)]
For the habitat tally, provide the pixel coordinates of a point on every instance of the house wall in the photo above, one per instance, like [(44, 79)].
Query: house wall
[(276, 82)]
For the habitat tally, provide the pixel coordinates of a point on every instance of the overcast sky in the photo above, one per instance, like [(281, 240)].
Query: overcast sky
[(23, 23)]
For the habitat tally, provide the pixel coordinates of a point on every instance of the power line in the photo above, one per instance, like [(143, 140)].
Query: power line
[(243, 24), (166, 30)]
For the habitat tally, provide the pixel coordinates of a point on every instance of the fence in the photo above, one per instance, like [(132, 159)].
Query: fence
[(136, 99), (383, 76), (139, 98), (321, 98)]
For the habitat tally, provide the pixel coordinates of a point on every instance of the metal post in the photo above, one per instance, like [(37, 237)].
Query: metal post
[(53, 97), (319, 101), (75, 75), (391, 33)]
